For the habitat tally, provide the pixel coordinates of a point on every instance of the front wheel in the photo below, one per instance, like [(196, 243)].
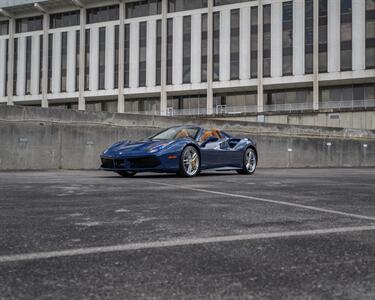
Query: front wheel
[(249, 162), (189, 162), (126, 173)]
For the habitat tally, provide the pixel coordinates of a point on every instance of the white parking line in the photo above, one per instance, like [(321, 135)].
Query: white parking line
[(177, 242), (325, 210)]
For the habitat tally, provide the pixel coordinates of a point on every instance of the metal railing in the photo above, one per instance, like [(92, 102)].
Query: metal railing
[(186, 112), (348, 104), (287, 107), (233, 110), (147, 113)]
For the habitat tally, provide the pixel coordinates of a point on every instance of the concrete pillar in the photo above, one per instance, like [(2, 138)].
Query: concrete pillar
[(94, 59), (56, 63), (196, 39), (12, 28), (260, 58), (333, 36), (177, 50), (224, 45), (45, 61), (121, 59), (210, 94), (134, 55), (245, 43), (316, 56), (359, 34), (35, 50), (151, 54), (163, 92), (3, 45), (21, 66), (109, 57), (82, 48), (298, 37), (71, 57)]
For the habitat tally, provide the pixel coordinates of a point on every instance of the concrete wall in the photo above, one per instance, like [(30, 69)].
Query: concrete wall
[(348, 119), (36, 138)]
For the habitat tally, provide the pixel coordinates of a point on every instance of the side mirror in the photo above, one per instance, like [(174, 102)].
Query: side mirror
[(211, 139)]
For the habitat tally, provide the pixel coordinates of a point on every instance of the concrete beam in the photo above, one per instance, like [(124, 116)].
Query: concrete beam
[(78, 3), (40, 7), (5, 13)]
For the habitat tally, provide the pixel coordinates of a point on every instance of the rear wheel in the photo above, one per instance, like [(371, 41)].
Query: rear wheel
[(249, 162), (126, 173), (189, 162)]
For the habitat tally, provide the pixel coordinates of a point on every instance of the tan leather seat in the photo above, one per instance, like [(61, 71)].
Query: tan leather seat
[(182, 134), (216, 133), (205, 136)]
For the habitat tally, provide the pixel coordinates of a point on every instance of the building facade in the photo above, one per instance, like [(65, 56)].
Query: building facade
[(175, 57)]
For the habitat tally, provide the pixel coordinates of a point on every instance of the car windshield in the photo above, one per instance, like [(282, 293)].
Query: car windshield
[(176, 133)]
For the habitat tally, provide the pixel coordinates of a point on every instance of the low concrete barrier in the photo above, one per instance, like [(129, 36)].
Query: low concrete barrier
[(36, 138)]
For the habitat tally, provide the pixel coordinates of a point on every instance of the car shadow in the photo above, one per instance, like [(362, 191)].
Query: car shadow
[(162, 176)]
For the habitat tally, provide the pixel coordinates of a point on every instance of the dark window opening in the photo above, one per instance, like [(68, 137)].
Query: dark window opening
[(169, 50), (158, 52), (186, 71), (102, 43), (28, 66), (309, 36), (142, 53), (287, 38), (323, 35), (126, 55), (29, 24), (346, 35), (102, 14), (87, 59), (216, 47), (66, 19), (180, 5), (267, 40), (64, 52), (254, 43), (235, 44), (143, 8), (204, 48)]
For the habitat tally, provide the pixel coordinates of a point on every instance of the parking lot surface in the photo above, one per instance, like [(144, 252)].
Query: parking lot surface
[(279, 234)]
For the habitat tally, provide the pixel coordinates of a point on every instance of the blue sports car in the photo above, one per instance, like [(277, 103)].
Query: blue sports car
[(185, 150)]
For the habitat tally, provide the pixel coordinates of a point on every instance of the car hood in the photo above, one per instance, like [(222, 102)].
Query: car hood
[(133, 147)]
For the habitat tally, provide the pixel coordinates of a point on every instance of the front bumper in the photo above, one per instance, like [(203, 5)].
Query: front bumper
[(150, 163)]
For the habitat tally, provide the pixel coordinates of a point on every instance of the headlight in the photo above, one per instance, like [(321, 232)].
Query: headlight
[(157, 148)]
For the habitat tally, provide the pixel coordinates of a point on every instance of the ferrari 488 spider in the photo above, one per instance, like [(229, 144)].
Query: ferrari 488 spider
[(185, 150)]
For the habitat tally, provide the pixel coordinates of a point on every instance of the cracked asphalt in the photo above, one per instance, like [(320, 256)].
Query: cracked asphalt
[(279, 234)]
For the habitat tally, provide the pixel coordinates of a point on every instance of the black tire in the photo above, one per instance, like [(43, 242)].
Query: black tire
[(189, 151), (126, 173), (249, 167)]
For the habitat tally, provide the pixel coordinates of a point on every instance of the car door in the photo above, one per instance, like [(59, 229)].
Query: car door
[(216, 154)]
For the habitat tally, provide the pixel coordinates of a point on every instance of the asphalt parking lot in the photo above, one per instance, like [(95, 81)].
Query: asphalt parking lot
[(280, 234)]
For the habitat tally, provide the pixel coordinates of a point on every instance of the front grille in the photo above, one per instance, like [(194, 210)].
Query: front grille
[(144, 163), (119, 163), (107, 163)]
